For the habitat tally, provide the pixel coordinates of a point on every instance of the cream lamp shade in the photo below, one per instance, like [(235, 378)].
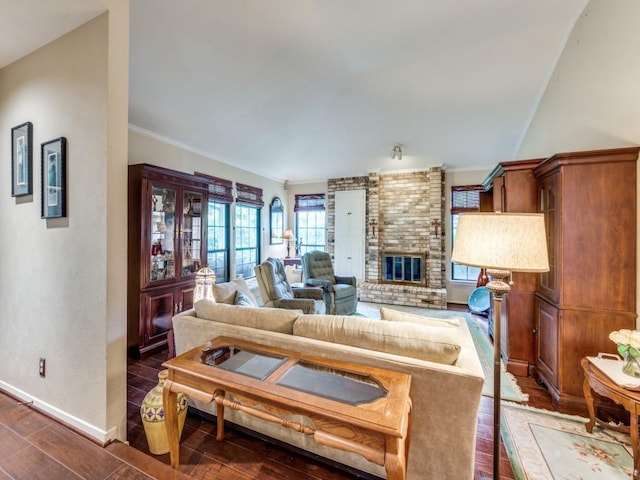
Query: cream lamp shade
[(502, 241)]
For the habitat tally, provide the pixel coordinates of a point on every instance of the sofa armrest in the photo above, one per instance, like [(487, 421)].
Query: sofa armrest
[(349, 280)]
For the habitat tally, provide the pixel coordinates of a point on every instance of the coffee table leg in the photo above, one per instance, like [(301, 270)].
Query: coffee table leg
[(586, 389), (170, 399), (394, 460), (219, 398)]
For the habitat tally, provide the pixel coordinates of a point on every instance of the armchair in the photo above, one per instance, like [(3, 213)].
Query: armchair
[(277, 293), (340, 292)]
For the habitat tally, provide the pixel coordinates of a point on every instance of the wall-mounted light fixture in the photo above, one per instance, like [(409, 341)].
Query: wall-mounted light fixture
[(397, 152)]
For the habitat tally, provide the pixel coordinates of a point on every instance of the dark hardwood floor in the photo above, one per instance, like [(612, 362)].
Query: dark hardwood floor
[(33, 446)]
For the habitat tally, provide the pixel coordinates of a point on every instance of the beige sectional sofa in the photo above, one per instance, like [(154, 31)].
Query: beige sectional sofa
[(446, 386)]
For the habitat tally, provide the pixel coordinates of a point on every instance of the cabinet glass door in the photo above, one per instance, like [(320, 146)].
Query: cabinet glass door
[(162, 238), (191, 235)]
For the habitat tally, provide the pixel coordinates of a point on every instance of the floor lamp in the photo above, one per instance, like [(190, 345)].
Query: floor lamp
[(502, 243)]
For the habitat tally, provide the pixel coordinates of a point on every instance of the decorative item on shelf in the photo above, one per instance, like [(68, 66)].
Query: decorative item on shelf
[(152, 413), (205, 280), (628, 344), (298, 247), (288, 236), (501, 243)]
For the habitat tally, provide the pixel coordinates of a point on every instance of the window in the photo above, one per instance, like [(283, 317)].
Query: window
[(218, 240), (310, 223), (276, 227), (247, 251), (463, 199), (218, 227), (247, 229)]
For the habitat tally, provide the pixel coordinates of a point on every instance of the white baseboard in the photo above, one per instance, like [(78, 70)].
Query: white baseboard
[(102, 437)]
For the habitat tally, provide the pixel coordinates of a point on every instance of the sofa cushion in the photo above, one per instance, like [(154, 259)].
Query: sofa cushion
[(226, 292), (272, 319), (399, 316), (242, 300), (424, 342)]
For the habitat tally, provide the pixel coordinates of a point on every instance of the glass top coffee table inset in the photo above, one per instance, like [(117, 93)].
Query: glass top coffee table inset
[(352, 407), (347, 387)]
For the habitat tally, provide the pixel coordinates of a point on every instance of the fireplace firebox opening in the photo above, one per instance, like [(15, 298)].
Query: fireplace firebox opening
[(404, 268)]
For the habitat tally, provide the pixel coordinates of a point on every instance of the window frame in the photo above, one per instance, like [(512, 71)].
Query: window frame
[(465, 204), (310, 206)]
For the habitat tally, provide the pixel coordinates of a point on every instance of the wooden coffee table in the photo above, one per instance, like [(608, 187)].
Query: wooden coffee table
[(355, 408)]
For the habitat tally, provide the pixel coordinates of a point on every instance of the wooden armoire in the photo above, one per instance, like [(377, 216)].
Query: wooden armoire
[(589, 203), (514, 189)]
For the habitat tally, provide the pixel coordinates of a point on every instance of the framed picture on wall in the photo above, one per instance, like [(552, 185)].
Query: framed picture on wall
[(54, 178), (21, 160)]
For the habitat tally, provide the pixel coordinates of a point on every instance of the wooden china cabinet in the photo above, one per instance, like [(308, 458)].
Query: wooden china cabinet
[(166, 247), (514, 189), (589, 203)]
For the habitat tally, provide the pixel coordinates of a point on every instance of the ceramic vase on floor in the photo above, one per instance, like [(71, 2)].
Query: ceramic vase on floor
[(152, 413)]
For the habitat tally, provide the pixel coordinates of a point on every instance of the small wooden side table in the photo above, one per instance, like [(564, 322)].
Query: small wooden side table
[(599, 382), (293, 261)]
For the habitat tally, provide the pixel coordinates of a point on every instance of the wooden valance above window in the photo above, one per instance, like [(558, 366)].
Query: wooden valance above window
[(248, 195), (220, 190), (308, 202), (466, 198)]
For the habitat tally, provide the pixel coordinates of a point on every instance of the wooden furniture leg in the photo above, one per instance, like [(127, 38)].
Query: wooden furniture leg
[(219, 399), (634, 442), (586, 389), (171, 423)]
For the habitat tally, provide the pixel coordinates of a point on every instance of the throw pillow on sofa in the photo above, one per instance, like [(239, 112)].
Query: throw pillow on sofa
[(399, 316), (242, 300), (226, 292), (424, 342), (263, 318)]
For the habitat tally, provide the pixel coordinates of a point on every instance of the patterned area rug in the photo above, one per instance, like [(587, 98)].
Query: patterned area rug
[(508, 385), (544, 445)]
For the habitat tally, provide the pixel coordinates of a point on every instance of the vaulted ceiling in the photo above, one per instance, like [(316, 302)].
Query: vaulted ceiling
[(303, 90)]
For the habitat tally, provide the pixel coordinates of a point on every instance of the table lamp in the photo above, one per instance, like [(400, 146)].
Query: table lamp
[(502, 243), (288, 235)]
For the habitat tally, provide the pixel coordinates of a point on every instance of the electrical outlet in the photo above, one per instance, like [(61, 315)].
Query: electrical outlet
[(41, 367)]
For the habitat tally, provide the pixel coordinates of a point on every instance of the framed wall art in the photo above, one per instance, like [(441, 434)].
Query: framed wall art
[(22, 160), (54, 178)]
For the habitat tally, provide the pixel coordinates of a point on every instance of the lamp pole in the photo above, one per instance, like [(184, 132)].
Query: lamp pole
[(499, 288)]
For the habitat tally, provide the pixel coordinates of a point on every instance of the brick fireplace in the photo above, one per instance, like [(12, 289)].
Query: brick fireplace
[(404, 221)]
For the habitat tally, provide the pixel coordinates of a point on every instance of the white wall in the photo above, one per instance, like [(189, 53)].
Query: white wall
[(145, 147), (56, 299), (593, 99)]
